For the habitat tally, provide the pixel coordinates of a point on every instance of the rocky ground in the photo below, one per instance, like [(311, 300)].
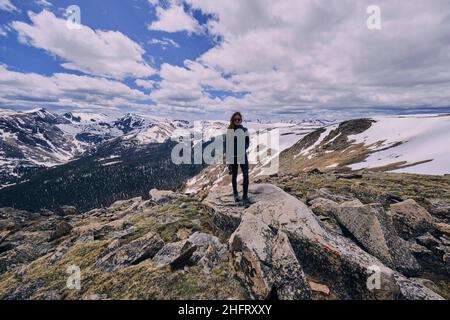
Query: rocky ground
[(312, 236)]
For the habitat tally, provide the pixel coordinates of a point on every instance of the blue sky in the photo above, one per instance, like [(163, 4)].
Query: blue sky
[(205, 59)]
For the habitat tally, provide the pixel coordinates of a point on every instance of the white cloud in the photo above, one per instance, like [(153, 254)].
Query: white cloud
[(174, 19), (164, 42), (95, 52), (6, 5), (313, 55), (43, 3), (3, 32), (66, 91), (146, 84), (188, 88)]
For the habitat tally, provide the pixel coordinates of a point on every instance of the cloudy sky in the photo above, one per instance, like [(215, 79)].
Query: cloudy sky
[(207, 58)]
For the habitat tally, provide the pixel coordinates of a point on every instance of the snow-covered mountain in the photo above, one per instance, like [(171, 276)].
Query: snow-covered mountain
[(408, 144), (37, 139), (34, 140), (419, 144)]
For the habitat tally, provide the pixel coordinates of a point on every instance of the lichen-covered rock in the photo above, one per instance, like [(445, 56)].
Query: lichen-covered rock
[(175, 254), (373, 229), (210, 251), (132, 253), (410, 219), (323, 207), (265, 261)]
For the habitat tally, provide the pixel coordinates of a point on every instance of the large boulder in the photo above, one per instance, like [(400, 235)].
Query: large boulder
[(373, 229), (175, 254), (265, 262), (410, 219), (117, 256)]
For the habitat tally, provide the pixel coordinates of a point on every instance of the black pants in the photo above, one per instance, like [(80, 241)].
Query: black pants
[(234, 174)]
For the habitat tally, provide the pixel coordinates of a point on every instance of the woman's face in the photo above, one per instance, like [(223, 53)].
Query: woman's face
[(237, 120)]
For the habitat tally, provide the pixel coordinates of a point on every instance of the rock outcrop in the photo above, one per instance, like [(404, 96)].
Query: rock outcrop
[(179, 247), (338, 261), (265, 261)]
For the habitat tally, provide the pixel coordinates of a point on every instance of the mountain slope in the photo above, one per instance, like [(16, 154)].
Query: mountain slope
[(410, 144), (114, 171), (35, 140)]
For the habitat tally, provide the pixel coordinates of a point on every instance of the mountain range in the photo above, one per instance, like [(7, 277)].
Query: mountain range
[(48, 160)]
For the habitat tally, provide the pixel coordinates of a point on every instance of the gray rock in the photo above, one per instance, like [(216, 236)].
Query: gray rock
[(176, 254), (427, 283), (117, 257), (265, 262), (161, 196), (429, 241), (410, 219), (440, 207), (413, 290), (225, 213), (373, 229), (24, 290), (323, 207), (62, 229), (210, 251)]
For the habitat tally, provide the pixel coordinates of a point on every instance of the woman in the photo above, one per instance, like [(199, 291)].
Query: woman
[(239, 156)]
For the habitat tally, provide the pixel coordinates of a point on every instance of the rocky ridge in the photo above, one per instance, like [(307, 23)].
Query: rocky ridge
[(176, 246)]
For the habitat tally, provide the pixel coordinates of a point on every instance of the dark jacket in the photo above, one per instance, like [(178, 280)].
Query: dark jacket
[(236, 144)]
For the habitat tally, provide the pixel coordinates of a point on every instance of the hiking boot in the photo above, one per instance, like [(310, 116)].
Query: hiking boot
[(237, 199), (246, 203)]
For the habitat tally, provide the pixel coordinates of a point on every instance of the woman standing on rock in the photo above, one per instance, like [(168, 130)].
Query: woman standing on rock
[(238, 141)]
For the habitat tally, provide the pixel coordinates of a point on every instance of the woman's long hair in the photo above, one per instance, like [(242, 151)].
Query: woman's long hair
[(232, 125)]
